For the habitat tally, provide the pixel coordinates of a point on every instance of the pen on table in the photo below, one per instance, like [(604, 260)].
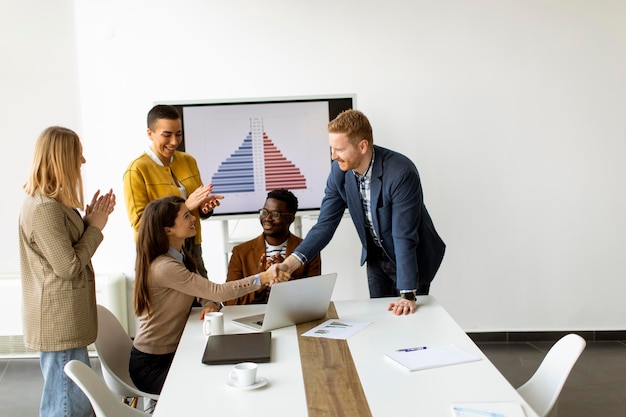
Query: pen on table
[(412, 349), (477, 412)]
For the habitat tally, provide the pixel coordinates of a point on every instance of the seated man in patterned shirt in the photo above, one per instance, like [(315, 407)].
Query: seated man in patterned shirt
[(272, 246)]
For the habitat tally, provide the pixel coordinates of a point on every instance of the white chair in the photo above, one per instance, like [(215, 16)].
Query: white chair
[(102, 400), (113, 346), (542, 390)]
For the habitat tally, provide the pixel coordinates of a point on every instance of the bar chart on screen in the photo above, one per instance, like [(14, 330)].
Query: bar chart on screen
[(246, 148), (257, 164)]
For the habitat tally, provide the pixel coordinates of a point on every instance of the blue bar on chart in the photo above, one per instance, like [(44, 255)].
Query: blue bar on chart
[(256, 165)]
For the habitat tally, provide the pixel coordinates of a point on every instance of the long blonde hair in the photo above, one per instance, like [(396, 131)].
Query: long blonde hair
[(55, 171)]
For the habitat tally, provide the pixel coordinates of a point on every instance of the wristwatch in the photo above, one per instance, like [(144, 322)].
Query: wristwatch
[(408, 295)]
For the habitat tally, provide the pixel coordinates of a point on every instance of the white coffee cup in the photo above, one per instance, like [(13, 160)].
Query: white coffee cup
[(213, 323), (244, 373)]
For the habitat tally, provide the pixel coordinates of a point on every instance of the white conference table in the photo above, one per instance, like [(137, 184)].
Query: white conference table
[(194, 388)]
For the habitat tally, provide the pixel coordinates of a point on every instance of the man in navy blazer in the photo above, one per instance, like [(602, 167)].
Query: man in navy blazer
[(382, 191)]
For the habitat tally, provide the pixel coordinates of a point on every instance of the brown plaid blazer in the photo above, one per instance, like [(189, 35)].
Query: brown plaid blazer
[(58, 286)]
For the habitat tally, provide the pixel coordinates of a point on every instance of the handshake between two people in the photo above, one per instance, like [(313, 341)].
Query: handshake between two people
[(276, 268), (277, 272)]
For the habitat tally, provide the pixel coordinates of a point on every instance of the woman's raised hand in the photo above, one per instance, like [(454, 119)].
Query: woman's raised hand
[(97, 212)]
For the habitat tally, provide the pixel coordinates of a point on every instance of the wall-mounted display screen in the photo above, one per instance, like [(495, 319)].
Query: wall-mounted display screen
[(247, 148)]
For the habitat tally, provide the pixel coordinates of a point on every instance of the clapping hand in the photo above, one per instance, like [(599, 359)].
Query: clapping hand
[(265, 262), (211, 201), (202, 199), (97, 212)]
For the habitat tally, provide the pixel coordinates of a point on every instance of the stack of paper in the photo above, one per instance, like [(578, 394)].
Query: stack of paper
[(425, 357)]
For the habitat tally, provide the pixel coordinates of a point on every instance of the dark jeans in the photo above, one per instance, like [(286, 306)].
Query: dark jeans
[(148, 371), (381, 275)]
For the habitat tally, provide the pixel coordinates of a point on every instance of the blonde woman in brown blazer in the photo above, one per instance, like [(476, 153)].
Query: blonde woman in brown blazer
[(56, 246)]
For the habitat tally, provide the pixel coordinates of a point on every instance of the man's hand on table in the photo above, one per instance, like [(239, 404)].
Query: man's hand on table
[(402, 307)]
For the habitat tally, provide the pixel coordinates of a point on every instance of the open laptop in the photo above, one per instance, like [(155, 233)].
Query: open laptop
[(293, 302)]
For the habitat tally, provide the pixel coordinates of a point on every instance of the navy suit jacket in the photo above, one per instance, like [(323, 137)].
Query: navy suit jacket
[(400, 218)]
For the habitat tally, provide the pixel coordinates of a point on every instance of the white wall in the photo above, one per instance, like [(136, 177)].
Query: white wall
[(38, 88), (513, 112)]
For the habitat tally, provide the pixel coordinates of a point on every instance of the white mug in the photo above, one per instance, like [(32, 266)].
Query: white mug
[(213, 323), (244, 373)]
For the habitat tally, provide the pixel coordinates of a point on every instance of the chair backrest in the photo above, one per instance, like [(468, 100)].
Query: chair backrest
[(102, 400), (113, 346), (542, 390)]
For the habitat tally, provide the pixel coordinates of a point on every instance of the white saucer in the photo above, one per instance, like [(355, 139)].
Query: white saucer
[(260, 382)]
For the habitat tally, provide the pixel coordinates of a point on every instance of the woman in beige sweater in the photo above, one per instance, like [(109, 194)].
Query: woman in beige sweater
[(166, 283)]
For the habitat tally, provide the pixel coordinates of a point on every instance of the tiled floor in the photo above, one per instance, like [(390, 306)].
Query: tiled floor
[(20, 386), (596, 386)]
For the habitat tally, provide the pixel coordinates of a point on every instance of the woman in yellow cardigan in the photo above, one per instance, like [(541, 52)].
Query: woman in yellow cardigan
[(164, 171)]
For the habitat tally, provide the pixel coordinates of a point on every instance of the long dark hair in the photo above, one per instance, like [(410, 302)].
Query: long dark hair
[(153, 242)]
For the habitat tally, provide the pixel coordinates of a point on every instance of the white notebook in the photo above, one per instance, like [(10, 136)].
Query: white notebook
[(425, 357), (488, 409)]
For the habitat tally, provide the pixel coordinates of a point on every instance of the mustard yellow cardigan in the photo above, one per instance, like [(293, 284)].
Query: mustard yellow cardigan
[(145, 180)]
